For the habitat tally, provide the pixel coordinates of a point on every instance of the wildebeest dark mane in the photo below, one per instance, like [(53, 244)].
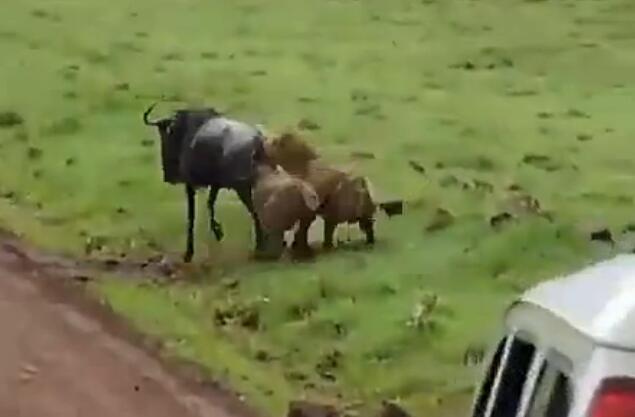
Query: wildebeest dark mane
[(185, 124)]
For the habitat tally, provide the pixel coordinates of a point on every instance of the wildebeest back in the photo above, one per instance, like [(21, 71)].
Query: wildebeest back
[(221, 152)]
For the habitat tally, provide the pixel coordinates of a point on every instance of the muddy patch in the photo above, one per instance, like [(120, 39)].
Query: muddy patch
[(13, 250)]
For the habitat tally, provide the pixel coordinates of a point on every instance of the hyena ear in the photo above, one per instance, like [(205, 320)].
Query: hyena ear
[(285, 138)]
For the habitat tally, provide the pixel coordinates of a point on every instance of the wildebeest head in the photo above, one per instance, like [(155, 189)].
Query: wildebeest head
[(174, 131), (169, 152)]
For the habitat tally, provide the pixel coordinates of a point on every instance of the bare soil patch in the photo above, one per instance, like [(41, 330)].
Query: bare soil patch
[(63, 352)]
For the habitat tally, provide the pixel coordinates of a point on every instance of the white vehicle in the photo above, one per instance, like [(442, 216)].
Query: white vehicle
[(567, 349)]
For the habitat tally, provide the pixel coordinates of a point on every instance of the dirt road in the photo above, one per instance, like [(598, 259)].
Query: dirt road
[(56, 361)]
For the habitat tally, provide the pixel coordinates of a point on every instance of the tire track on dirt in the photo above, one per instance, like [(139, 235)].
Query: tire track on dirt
[(64, 354)]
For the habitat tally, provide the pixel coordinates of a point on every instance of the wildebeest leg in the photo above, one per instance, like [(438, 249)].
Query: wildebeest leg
[(329, 231), (215, 226), (244, 193), (366, 225), (191, 204)]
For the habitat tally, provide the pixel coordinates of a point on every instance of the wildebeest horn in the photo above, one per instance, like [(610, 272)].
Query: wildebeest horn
[(147, 113)]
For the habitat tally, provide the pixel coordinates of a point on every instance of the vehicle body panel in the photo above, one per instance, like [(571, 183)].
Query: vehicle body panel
[(582, 324)]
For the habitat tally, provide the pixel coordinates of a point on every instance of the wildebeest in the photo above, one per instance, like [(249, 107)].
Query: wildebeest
[(281, 202), (200, 147), (344, 197)]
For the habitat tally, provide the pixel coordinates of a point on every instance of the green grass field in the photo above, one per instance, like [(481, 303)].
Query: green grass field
[(485, 95)]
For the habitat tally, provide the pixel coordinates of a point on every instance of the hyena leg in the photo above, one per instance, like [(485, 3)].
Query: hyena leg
[(367, 226), (329, 232), (301, 238)]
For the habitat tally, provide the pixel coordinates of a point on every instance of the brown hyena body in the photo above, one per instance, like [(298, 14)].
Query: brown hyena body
[(344, 197), (281, 201)]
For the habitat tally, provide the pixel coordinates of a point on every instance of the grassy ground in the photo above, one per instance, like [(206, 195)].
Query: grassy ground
[(484, 95)]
